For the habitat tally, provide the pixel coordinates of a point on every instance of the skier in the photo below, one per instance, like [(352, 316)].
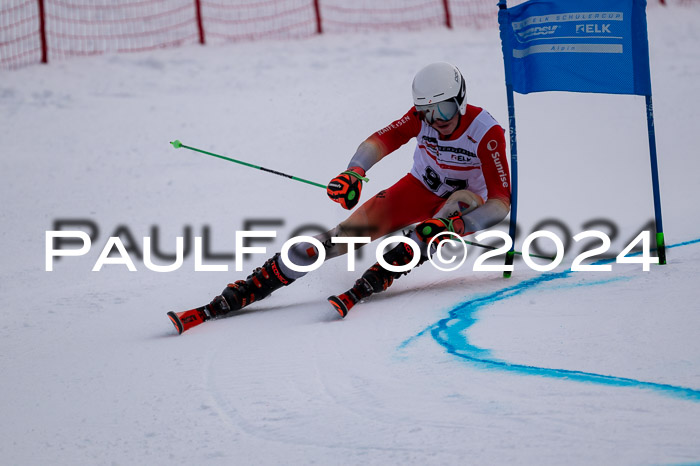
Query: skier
[(459, 183)]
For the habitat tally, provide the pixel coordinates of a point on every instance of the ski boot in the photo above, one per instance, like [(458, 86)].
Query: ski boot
[(259, 284), (345, 301), (375, 279), (187, 319)]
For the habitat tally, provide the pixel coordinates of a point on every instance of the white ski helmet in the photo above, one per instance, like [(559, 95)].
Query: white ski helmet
[(439, 82)]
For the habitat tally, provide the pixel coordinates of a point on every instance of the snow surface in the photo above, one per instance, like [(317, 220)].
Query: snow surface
[(459, 368)]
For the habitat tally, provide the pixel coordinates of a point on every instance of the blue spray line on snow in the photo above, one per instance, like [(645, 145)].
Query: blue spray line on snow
[(449, 333)]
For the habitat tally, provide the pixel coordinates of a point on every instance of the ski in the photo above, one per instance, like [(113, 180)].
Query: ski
[(187, 319), (343, 302)]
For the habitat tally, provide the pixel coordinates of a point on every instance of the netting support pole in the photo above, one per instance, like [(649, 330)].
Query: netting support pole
[(200, 23), (319, 23), (42, 33), (448, 17)]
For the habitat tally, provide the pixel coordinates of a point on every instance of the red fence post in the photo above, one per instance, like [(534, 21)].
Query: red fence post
[(448, 17), (42, 33), (319, 23), (200, 24)]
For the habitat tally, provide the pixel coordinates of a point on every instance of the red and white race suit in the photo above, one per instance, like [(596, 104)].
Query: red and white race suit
[(473, 158)]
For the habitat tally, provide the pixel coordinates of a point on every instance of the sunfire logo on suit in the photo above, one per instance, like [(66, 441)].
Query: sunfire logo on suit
[(496, 156), (492, 144)]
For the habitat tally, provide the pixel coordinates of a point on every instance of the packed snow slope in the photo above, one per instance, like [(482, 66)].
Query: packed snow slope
[(444, 368)]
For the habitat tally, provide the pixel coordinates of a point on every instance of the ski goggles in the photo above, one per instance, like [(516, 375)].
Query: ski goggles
[(444, 110)]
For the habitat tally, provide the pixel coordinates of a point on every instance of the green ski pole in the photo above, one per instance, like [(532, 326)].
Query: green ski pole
[(177, 144)]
